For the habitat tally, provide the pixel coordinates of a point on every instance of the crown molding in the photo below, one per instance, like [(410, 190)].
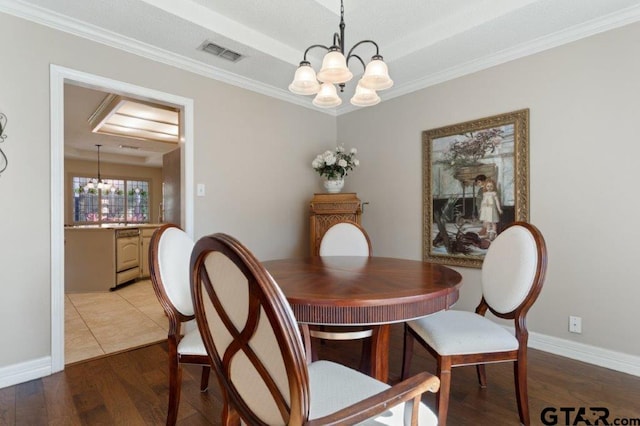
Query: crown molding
[(81, 29)]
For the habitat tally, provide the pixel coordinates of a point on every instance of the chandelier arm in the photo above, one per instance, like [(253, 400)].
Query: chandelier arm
[(312, 47), (358, 58), (362, 42)]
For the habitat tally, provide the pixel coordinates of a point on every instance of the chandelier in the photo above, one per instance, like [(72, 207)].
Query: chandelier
[(335, 71), (98, 183)]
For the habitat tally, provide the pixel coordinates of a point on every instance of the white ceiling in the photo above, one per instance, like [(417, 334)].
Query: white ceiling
[(424, 42)]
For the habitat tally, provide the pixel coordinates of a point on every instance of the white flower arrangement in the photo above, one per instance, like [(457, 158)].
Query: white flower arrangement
[(335, 164)]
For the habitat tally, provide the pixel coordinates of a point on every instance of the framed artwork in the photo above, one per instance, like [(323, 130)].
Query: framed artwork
[(475, 183)]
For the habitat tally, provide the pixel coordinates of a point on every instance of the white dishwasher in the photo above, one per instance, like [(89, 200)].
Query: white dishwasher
[(127, 255)]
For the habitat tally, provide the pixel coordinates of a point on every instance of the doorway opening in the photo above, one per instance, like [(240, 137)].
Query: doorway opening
[(59, 76)]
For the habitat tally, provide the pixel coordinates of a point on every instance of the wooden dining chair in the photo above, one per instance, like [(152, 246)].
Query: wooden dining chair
[(169, 254), (513, 272), (255, 345), (345, 239)]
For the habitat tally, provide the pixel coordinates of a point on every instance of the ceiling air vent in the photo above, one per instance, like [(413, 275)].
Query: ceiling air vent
[(221, 52)]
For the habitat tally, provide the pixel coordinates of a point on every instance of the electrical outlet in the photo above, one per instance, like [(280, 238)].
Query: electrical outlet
[(575, 324)]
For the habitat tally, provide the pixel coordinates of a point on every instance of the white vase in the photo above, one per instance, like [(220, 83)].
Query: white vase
[(333, 186)]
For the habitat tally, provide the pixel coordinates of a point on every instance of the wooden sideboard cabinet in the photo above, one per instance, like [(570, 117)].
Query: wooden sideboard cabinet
[(329, 209)]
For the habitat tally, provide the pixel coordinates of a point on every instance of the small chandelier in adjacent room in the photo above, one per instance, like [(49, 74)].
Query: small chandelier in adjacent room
[(335, 71), (98, 183)]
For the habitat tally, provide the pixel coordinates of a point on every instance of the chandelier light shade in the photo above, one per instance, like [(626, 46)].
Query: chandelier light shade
[(327, 97), (334, 68), (364, 96), (305, 81), (335, 71), (376, 75)]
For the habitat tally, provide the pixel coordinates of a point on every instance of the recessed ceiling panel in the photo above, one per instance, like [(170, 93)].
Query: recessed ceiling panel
[(137, 119)]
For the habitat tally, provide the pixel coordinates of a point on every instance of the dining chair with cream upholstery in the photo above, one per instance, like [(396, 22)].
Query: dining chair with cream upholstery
[(256, 347), (169, 255), (345, 239), (513, 272)]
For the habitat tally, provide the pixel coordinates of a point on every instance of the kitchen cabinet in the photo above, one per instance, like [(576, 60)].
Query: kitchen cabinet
[(102, 258), (89, 259), (145, 242)]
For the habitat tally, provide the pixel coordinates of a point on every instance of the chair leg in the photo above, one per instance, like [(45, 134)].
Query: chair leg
[(407, 353), (442, 397), (175, 380), (314, 351), (230, 416), (204, 379), (306, 341), (365, 355), (482, 375), (520, 376)]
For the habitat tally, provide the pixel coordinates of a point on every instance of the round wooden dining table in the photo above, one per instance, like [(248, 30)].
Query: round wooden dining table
[(365, 291)]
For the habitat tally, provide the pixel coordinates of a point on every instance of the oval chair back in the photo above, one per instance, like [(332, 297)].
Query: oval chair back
[(170, 251), (513, 270), (345, 239), (244, 319)]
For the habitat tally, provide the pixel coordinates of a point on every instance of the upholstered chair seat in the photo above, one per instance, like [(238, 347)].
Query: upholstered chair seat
[(191, 343), (459, 332), (327, 398)]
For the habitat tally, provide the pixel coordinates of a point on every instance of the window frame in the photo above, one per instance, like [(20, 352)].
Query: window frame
[(127, 192)]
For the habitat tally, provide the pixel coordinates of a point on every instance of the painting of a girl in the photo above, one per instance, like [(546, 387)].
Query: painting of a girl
[(490, 209)]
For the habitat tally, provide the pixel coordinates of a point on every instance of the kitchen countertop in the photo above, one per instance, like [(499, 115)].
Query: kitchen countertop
[(113, 226)]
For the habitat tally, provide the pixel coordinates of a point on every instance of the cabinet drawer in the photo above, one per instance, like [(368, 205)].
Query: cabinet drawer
[(128, 275)]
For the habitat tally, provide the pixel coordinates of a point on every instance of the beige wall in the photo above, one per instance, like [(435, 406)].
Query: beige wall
[(110, 171), (584, 101), (252, 152)]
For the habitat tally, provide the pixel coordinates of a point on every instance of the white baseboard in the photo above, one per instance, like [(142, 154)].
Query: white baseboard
[(606, 358), (25, 371)]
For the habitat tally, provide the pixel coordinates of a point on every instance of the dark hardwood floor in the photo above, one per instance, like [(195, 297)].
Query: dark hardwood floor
[(131, 388)]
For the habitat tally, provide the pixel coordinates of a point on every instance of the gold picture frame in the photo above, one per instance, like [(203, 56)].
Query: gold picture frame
[(475, 182)]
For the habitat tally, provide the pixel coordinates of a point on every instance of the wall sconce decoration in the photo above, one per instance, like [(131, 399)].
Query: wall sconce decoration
[(3, 158)]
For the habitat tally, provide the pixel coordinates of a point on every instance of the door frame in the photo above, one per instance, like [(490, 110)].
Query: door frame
[(58, 77)]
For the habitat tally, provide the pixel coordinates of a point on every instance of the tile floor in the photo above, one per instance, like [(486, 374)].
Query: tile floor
[(97, 324)]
